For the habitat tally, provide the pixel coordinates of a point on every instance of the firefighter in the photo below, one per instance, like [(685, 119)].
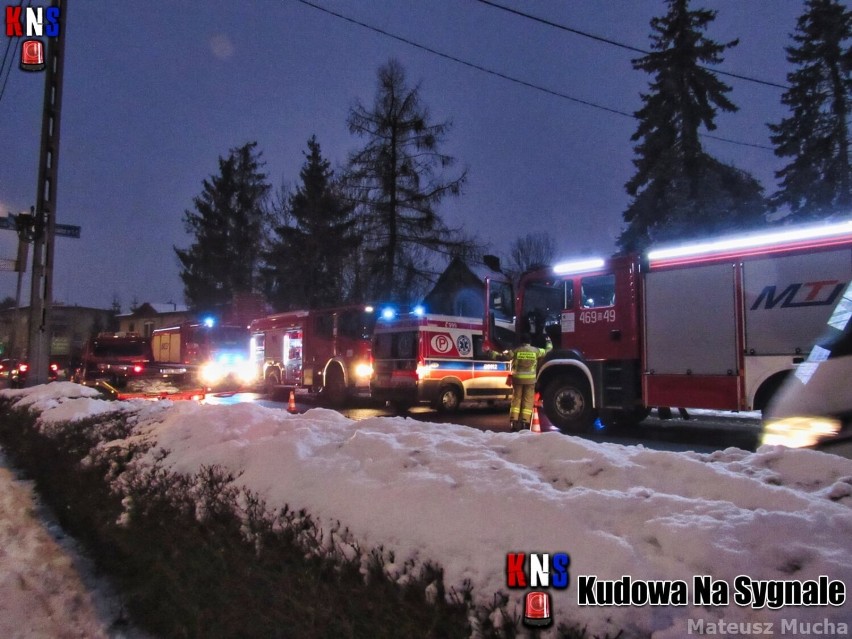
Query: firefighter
[(524, 365)]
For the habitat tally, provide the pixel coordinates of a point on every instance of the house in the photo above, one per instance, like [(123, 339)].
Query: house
[(69, 329), (460, 289), (148, 316), (244, 308)]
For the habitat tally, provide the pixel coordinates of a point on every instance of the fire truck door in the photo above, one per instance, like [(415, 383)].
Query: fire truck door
[(601, 323), (292, 356)]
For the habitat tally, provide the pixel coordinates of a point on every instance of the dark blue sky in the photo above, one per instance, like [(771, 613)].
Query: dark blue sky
[(156, 91)]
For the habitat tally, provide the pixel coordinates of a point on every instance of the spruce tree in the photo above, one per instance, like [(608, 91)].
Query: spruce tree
[(396, 182), (308, 259), (679, 190), (228, 226), (817, 182)]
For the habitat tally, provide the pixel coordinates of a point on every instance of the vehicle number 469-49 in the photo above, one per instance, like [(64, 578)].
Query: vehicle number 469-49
[(593, 317)]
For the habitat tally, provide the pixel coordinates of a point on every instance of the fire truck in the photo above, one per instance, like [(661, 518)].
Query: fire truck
[(122, 366), (438, 359), (713, 325), (324, 351), (216, 355)]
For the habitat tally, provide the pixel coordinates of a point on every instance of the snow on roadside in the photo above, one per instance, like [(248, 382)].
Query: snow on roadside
[(464, 498), (41, 592)]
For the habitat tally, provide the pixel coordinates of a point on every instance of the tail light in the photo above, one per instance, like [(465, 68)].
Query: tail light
[(138, 368), (23, 368), (422, 370), (54, 367)]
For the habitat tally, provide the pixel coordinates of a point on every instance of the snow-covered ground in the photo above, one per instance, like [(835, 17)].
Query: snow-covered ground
[(465, 498), (48, 590)]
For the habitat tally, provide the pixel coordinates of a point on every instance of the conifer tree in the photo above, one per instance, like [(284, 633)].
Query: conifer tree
[(313, 247), (228, 226), (396, 182), (679, 190), (817, 182)]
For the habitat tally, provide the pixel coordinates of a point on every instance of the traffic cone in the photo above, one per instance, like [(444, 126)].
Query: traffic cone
[(291, 406), (535, 425)]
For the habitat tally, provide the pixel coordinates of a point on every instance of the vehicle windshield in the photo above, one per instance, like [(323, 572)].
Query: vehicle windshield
[(120, 349), (230, 337), (356, 324)]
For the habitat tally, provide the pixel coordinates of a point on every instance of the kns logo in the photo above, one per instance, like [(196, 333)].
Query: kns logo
[(800, 294), (39, 22), (542, 571)]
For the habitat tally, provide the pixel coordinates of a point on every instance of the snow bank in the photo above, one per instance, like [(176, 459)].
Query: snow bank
[(464, 498)]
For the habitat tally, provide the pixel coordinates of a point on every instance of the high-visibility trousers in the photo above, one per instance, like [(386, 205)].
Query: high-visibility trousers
[(523, 399)]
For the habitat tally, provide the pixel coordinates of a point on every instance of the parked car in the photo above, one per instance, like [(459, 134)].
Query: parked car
[(18, 374), (814, 405), (6, 367)]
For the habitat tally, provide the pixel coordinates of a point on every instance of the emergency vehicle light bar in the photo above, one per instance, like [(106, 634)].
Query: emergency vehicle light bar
[(763, 240), (578, 266)]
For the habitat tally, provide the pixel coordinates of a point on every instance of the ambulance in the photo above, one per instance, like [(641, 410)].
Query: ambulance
[(438, 359)]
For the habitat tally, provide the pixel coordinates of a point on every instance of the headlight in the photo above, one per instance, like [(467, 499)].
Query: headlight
[(363, 370), (246, 372), (799, 432), (211, 373)]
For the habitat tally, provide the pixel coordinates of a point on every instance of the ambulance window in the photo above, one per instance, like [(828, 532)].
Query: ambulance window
[(395, 345), (598, 291), (382, 345), (478, 353), (405, 345)]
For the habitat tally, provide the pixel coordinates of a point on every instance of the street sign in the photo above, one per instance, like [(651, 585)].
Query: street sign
[(9, 223), (67, 230)]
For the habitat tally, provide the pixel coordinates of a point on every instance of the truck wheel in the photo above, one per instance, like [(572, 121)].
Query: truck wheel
[(335, 387), (568, 404), (448, 400)]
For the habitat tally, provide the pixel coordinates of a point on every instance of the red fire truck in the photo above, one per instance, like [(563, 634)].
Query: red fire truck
[(716, 325), (325, 351), (216, 355)]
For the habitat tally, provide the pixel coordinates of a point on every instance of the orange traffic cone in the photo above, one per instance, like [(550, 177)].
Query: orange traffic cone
[(535, 426), (291, 406)]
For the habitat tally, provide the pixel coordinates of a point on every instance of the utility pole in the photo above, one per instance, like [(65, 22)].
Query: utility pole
[(41, 291)]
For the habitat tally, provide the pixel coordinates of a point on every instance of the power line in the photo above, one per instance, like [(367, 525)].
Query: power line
[(465, 62), (498, 74), (621, 45), (3, 66)]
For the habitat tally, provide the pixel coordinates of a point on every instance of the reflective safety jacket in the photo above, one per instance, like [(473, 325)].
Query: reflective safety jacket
[(525, 362)]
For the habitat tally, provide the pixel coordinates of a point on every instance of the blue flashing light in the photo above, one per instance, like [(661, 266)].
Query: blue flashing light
[(418, 311), (209, 322), (599, 425), (388, 313)]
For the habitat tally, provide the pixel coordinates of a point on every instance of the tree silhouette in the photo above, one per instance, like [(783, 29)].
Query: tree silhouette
[(395, 183), (678, 190), (228, 224), (817, 182)]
